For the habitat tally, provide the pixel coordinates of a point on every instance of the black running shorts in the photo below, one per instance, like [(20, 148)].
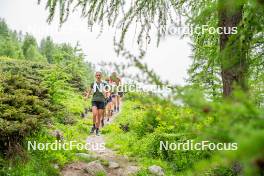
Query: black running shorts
[(98, 104)]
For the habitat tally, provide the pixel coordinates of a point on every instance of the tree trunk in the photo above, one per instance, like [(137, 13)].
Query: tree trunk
[(233, 56)]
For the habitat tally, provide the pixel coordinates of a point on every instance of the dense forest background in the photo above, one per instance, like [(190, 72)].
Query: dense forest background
[(41, 86)]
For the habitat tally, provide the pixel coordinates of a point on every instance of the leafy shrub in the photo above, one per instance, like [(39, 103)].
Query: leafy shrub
[(237, 120), (24, 102)]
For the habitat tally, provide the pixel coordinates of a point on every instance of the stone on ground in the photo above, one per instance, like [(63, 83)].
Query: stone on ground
[(86, 155), (94, 168), (75, 169), (156, 170), (58, 134), (113, 165), (131, 170)]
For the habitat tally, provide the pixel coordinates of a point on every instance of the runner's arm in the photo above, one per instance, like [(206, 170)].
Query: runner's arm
[(88, 93)]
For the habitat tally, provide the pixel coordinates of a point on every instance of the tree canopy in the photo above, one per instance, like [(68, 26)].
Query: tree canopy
[(226, 56)]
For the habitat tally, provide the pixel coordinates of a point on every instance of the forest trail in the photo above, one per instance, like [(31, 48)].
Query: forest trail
[(105, 161)]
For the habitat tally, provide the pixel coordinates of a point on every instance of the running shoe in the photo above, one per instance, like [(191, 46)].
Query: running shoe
[(92, 130), (97, 132)]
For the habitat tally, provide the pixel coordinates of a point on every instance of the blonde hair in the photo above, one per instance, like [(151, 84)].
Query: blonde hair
[(98, 72)]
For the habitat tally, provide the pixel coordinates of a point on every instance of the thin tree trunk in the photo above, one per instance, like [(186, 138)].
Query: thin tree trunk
[(233, 57)]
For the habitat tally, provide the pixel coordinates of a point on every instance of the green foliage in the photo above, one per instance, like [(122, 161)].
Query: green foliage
[(70, 63), (243, 49), (25, 103), (30, 49), (4, 30), (42, 162), (10, 48), (152, 120), (9, 45), (234, 58), (28, 41), (47, 49), (37, 98), (34, 96), (33, 53), (62, 89), (100, 174)]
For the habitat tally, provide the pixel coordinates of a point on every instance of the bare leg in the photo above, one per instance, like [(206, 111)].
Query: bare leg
[(95, 114), (117, 102), (99, 117), (103, 117), (110, 109), (107, 110), (114, 103)]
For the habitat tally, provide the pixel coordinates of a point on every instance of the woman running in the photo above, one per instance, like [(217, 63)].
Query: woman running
[(108, 108), (98, 101), (114, 79)]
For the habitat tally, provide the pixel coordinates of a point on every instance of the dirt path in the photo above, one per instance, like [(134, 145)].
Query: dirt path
[(105, 161)]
